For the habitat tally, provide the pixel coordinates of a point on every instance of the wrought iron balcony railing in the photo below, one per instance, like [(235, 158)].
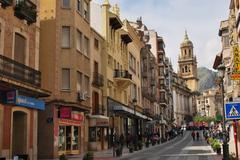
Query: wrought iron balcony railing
[(122, 74), (19, 72), (6, 3), (98, 79), (99, 110), (25, 9)]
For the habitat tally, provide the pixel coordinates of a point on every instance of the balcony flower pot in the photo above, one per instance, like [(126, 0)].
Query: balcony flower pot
[(130, 148), (217, 147), (88, 156), (140, 145)]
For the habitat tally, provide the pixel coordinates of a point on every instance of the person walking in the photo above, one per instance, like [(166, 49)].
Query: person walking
[(197, 136), (193, 135)]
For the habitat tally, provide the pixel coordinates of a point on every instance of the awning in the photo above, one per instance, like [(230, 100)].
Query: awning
[(129, 111)]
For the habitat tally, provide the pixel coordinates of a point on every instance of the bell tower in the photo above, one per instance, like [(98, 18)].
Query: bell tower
[(187, 63)]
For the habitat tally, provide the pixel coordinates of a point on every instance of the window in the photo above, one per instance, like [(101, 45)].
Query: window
[(225, 41), (199, 102), (86, 84), (86, 46), (79, 5), (79, 81), (19, 48), (66, 37), (186, 69), (79, 41), (132, 62), (96, 43), (134, 91), (66, 79), (139, 94), (66, 3), (86, 10)]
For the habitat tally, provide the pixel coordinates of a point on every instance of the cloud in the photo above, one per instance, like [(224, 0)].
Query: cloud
[(170, 18)]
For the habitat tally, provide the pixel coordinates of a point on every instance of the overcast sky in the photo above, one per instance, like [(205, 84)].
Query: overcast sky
[(170, 18)]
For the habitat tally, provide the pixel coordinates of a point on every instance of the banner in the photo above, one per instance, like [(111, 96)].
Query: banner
[(236, 63)]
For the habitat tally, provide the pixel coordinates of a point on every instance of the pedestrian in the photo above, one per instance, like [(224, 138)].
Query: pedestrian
[(121, 142), (193, 135), (197, 136), (128, 139)]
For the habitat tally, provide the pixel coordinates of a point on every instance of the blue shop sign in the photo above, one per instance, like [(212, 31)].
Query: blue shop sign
[(19, 100)]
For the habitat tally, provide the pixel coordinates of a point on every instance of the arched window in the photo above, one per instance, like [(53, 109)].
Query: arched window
[(186, 69), (190, 53), (183, 70)]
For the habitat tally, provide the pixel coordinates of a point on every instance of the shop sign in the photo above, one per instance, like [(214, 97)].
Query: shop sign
[(102, 122), (65, 112), (236, 63), (69, 122), (77, 116), (13, 98)]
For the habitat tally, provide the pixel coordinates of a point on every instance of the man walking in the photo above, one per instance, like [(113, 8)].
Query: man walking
[(193, 135)]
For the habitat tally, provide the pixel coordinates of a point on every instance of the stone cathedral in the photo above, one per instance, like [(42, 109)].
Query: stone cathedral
[(187, 62)]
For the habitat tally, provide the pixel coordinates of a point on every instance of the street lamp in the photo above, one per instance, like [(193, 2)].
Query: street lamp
[(134, 102), (221, 73)]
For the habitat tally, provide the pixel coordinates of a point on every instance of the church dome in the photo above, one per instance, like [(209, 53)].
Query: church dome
[(186, 42)]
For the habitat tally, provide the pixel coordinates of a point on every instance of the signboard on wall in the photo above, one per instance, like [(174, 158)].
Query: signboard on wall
[(12, 97), (65, 112), (236, 63)]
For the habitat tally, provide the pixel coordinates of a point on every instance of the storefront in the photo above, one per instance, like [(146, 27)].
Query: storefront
[(124, 120), (98, 128), (70, 123), (19, 125)]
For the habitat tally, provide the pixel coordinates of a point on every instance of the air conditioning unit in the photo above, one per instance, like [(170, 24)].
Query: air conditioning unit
[(82, 96)]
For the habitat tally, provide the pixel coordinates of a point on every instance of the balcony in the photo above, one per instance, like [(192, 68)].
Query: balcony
[(25, 9), (163, 102), (19, 72), (122, 78), (98, 79), (99, 110), (6, 3)]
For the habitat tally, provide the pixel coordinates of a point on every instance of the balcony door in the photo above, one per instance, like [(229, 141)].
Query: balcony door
[(95, 103), (19, 133), (19, 54)]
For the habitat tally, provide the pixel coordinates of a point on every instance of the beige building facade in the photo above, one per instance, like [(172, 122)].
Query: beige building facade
[(66, 71)]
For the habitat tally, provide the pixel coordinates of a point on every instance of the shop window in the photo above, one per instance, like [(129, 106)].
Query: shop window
[(66, 37), (68, 138)]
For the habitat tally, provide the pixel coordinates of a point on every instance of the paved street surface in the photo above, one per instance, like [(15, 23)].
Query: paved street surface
[(181, 148)]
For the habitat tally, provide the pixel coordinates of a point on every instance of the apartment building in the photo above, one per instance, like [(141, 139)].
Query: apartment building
[(209, 103), (98, 120), (20, 79), (65, 63), (122, 76)]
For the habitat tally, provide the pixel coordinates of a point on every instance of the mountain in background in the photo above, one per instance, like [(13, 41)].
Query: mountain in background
[(206, 78)]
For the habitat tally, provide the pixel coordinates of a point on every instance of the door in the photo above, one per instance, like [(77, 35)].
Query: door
[(19, 133)]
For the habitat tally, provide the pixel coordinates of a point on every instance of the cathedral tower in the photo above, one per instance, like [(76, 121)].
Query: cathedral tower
[(187, 63)]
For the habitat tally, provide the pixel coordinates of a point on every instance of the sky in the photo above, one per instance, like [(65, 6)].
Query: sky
[(170, 18)]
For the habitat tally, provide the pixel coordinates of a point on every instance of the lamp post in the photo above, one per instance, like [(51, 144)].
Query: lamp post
[(134, 101), (221, 73)]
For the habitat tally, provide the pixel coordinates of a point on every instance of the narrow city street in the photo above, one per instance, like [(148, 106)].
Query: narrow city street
[(181, 148)]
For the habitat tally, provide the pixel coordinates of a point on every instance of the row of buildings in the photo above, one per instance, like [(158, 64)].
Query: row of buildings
[(229, 32), (73, 75)]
